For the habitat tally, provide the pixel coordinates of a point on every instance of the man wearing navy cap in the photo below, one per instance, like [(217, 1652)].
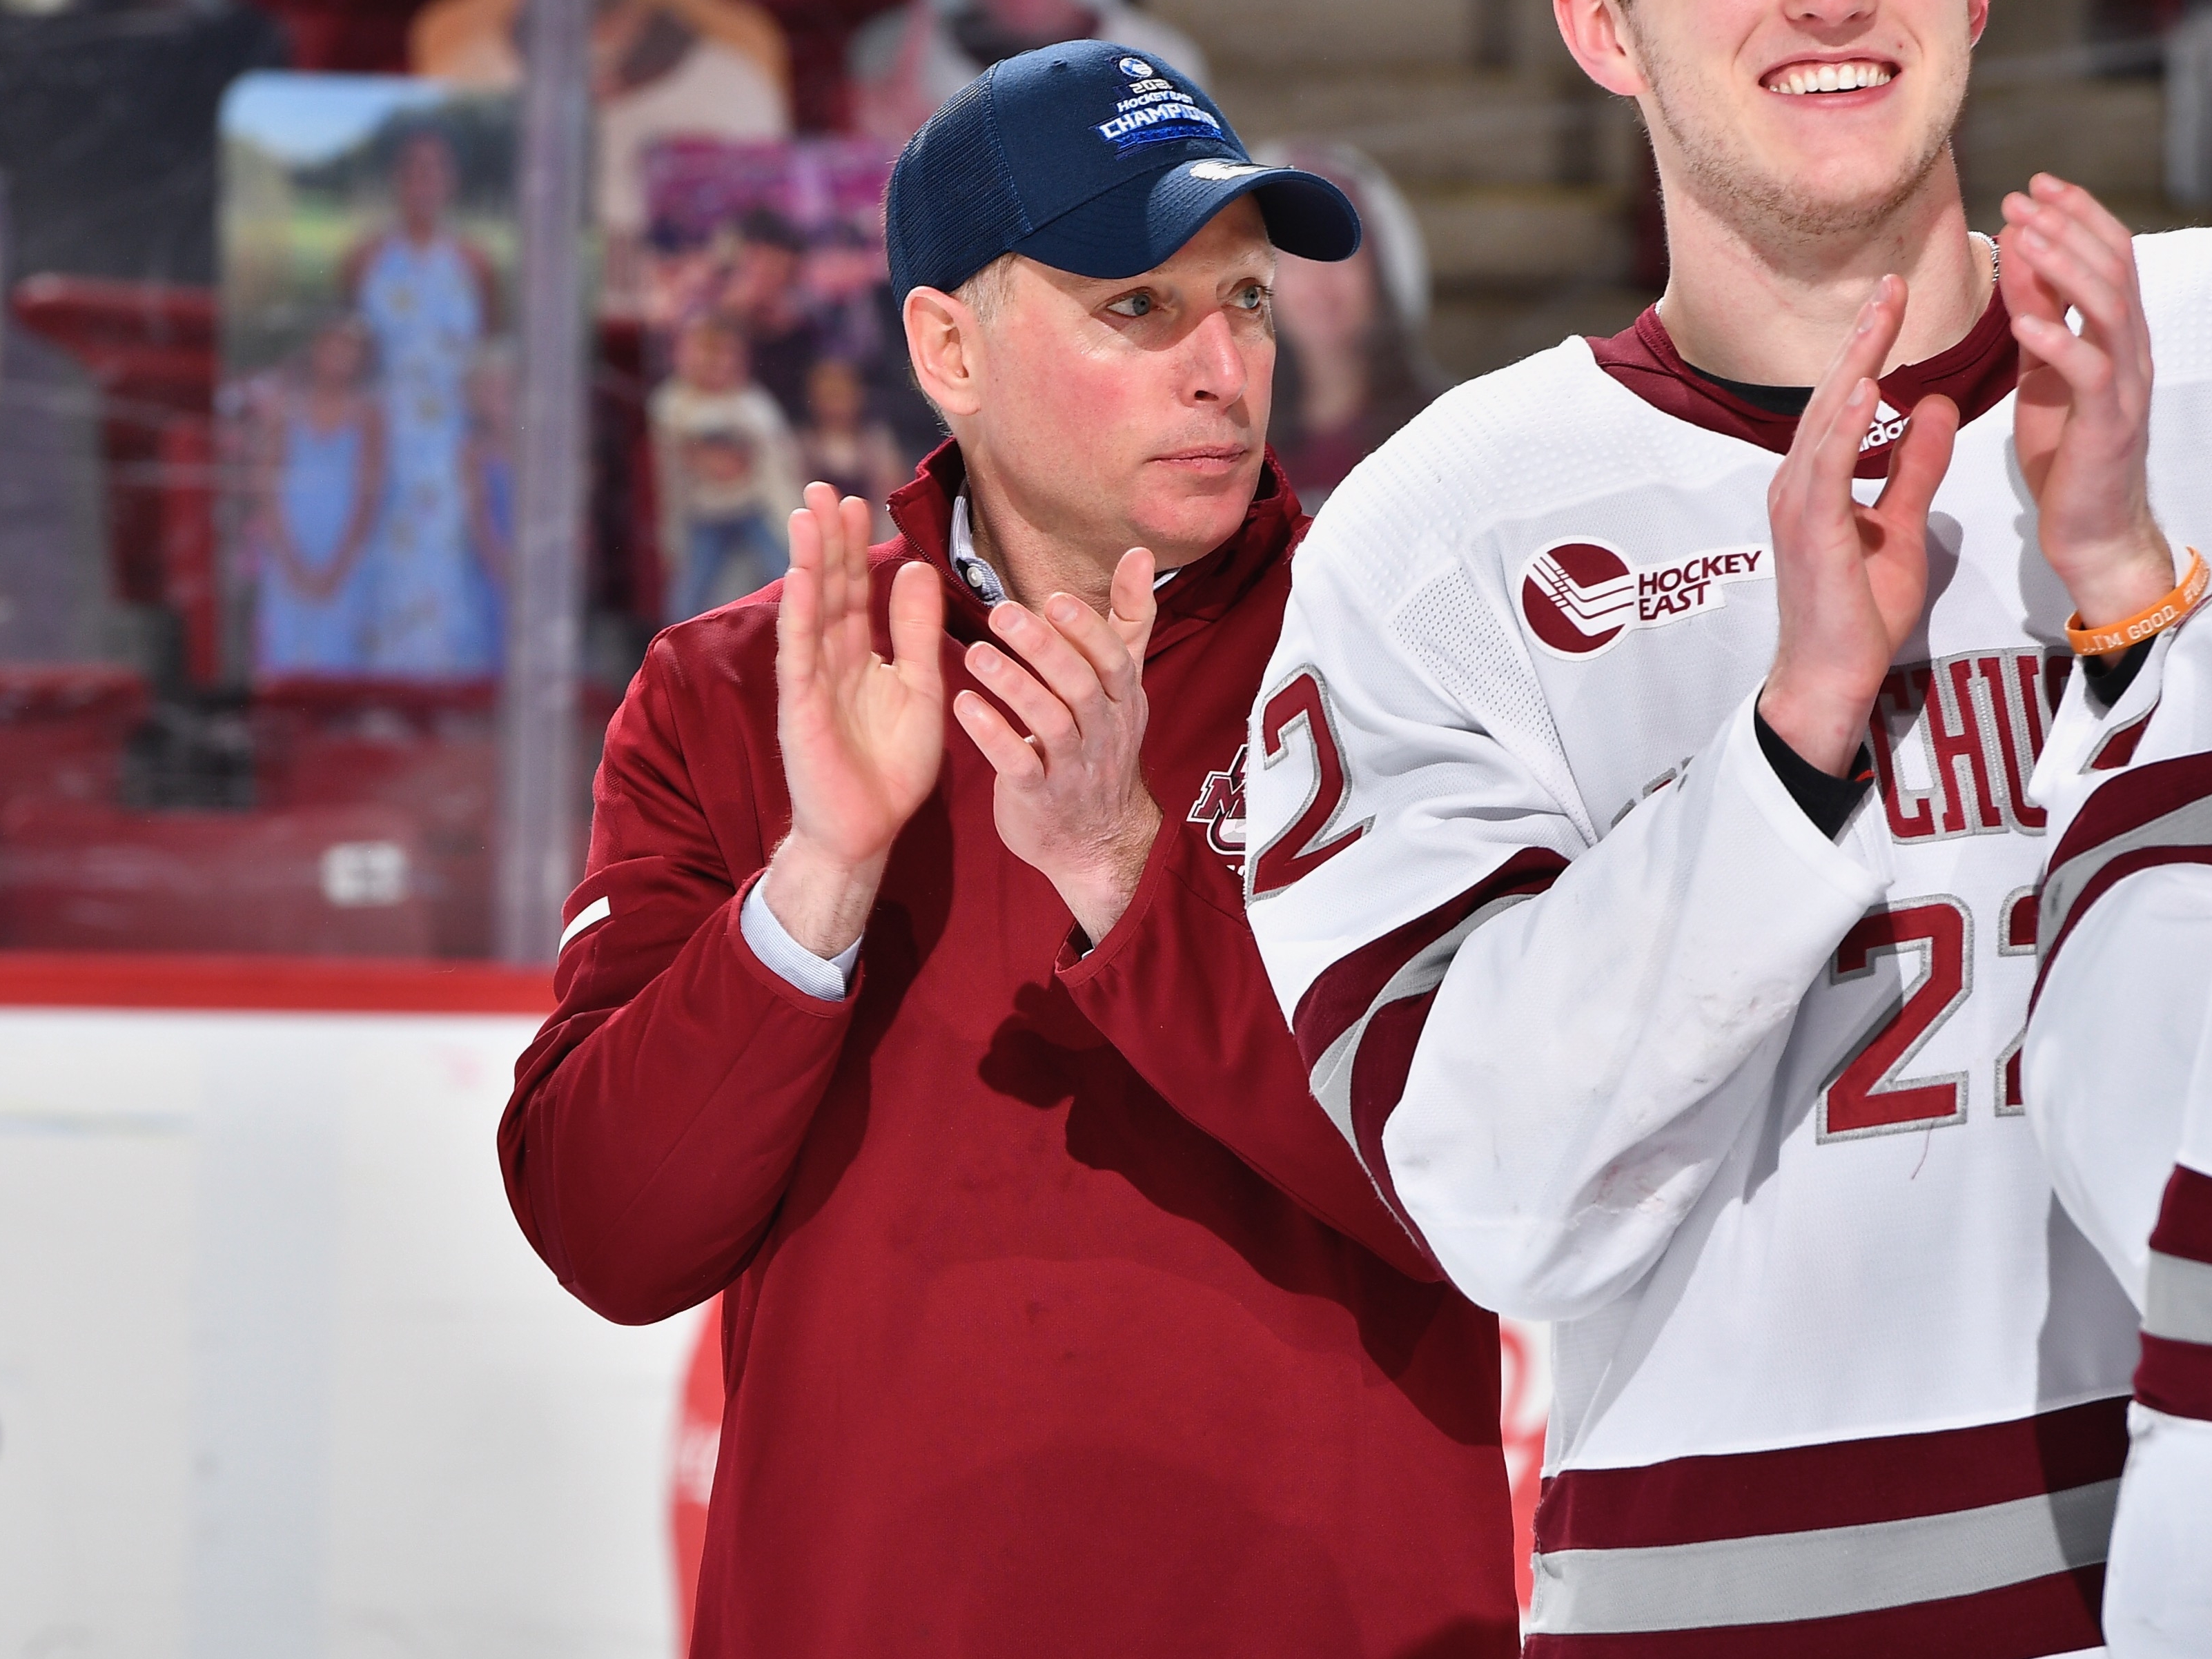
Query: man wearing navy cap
[(909, 997)]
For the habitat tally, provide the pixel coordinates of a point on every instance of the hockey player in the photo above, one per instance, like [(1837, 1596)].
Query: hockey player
[(1057, 1321), (2118, 1069), (1640, 843)]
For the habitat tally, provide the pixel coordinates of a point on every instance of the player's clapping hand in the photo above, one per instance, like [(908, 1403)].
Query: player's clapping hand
[(1850, 579), (862, 738), (2082, 425), (1071, 798)]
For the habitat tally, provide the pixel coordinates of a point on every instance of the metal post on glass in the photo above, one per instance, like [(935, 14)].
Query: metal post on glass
[(2189, 108), (538, 752)]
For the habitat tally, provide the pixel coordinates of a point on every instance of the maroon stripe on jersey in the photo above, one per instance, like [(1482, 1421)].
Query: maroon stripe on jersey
[(2175, 1377), (2118, 749), (2055, 1614), (1976, 374), (2121, 807), (2185, 1216), (1378, 1084), (1346, 989), (2109, 876), (1845, 1483), (2126, 803)]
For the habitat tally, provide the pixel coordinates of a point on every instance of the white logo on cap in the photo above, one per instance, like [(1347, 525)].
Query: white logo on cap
[(1135, 68), (1225, 169)]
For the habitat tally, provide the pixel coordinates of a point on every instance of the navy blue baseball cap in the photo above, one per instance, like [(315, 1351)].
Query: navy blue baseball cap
[(1092, 158)]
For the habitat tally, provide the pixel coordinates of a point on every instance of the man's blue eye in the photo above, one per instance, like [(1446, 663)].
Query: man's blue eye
[(1133, 305)]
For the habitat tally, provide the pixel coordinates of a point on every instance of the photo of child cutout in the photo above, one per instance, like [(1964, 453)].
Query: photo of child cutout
[(488, 487), (728, 472), (845, 445), (366, 406), (322, 474), (430, 296)]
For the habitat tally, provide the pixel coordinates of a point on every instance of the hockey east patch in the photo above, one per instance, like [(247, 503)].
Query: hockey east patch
[(1579, 597)]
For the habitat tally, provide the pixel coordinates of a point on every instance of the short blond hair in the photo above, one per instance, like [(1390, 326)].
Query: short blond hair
[(987, 289)]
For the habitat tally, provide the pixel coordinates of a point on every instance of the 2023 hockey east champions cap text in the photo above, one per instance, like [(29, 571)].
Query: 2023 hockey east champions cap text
[(1091, 159)]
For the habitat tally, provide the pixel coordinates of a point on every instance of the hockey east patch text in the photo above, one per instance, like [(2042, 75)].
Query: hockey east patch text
[(1578, 598)]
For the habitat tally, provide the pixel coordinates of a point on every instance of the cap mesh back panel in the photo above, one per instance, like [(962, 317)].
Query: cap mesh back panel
[(951, 207)]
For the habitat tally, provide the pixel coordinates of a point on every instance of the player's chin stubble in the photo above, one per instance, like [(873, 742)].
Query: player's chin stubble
[(1729, 179)]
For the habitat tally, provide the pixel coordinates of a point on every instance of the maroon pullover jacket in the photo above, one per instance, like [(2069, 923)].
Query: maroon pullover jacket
[(1060, 1321)]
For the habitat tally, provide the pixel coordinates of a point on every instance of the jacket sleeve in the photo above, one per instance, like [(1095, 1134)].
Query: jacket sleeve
[(1540, 1039), (656, 1118), (1178, 988)]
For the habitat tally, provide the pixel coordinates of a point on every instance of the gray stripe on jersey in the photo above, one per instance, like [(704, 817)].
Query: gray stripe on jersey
[(1783, 1577), (1332, 1072), (2178, 1298), (2187, 825)]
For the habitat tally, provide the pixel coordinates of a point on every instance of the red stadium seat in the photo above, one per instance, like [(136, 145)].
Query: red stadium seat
[(428, 751), (63, 729), (323, 881)]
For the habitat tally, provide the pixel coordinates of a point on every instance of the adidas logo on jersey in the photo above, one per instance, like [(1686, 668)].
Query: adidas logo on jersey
[(1888, 427), (1579, 597)]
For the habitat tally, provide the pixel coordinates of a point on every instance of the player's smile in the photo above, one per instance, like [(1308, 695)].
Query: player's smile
[(1846, 81)]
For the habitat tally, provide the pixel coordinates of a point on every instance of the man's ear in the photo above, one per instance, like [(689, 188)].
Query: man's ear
[(1978, 18), (1599, 38), (943, 342)]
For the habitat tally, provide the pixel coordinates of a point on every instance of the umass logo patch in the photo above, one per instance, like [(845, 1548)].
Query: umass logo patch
[(1220, 808)]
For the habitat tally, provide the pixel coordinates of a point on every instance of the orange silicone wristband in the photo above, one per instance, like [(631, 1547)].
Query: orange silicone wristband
[(2134, 630)]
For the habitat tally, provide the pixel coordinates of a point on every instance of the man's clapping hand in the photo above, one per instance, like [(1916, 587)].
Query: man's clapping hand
[(862, 738), (1071, 798)]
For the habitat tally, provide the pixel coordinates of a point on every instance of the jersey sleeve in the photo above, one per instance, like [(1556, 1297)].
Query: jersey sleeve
[(2093, 735), (656, 1117), (1540, 1042), (2122, 1010), (2120, 1033), (2157, 1574), (2157, 1595)]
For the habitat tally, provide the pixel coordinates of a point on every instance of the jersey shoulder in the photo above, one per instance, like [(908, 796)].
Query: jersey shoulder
[(1523, 436), (1524, 443)]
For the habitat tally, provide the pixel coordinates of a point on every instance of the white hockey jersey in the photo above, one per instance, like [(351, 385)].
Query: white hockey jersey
[(1633, 1047), (2117, 1066)]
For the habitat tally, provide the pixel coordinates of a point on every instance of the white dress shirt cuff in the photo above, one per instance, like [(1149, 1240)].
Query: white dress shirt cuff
[(829, 978)]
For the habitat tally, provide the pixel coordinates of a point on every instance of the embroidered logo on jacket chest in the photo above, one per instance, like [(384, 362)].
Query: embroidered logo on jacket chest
[(1220, 808), (1579, 597)]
